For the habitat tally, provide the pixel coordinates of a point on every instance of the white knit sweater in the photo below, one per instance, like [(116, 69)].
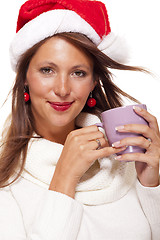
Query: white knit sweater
[(110, 204)]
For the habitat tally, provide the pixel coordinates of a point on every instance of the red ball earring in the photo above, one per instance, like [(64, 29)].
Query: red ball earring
[(26, 94), (91, 101)]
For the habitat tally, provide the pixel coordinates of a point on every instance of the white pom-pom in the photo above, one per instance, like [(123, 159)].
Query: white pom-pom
[(115, 47)]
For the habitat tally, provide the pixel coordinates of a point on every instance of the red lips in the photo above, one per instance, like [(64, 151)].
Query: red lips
[(60, 106)]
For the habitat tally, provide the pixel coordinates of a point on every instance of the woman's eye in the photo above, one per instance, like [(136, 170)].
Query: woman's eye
[(46, 70), (79, 74)]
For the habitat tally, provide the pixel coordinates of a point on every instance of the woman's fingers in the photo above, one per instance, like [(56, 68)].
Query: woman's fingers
[(142, 129), (94, 144), (150, 160), (133, 141), (85, 130), (99, 143), (90, 139), (148, 117), (146, 164), (150, 131), (107, 151), (86, 134)]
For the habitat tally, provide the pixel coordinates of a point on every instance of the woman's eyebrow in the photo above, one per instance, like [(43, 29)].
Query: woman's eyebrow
[(81, 66), (48, 63)]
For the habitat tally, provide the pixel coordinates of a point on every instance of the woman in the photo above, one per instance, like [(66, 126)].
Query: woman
[(59, 178)]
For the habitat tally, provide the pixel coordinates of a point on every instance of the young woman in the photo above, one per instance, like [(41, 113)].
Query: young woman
[(59, 178)]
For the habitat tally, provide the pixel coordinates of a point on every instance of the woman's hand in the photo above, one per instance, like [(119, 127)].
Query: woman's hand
[(147, 164), (79, 153)]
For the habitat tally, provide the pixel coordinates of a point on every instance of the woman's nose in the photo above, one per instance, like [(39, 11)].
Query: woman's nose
[(62, 85)]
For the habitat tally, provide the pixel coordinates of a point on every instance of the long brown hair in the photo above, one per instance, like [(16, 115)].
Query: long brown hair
[(21, 126)]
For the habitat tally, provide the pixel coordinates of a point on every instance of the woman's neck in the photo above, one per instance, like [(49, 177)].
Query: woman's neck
[(55, 134)]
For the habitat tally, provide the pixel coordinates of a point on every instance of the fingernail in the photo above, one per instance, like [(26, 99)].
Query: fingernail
[(116, 144), (137, 108), (119, 128), (118, 157)]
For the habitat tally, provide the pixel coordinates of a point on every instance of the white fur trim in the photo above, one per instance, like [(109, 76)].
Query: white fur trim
[(115, 47), (45, 25)]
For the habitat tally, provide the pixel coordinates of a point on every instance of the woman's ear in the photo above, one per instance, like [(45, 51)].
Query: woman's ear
[(25, 82), (95, 81), (94, 84)]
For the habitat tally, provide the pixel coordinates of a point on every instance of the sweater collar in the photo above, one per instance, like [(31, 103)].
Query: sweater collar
[(106, 181)]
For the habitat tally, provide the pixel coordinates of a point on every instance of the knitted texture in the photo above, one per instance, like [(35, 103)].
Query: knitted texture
[(106, 181)]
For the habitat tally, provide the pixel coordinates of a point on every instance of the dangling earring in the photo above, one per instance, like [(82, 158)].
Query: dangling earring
[(26, 94), (91, 101)]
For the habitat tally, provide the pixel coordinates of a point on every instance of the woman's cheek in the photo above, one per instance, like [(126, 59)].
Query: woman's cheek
[(83, 90), (44, 86)]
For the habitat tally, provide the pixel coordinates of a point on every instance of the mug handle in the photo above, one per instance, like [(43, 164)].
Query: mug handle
[(102, 126)]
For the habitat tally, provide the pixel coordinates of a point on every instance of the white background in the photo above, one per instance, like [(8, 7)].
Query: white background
[(137, 20)]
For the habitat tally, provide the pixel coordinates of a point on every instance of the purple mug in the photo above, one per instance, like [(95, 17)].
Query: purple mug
[(121, 116)]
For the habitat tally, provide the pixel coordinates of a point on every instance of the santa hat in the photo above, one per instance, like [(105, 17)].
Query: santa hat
[(39, 19)]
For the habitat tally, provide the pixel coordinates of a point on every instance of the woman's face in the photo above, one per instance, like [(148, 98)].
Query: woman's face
[(60, 78)]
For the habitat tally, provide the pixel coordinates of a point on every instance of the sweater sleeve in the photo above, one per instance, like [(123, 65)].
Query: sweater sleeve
[(149, 198), (11, 225), (57, 217)]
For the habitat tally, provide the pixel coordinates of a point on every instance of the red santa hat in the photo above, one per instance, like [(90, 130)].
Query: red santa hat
[(39, 19)]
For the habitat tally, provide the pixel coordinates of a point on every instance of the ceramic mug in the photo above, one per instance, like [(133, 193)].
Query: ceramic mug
[(118, 117)]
